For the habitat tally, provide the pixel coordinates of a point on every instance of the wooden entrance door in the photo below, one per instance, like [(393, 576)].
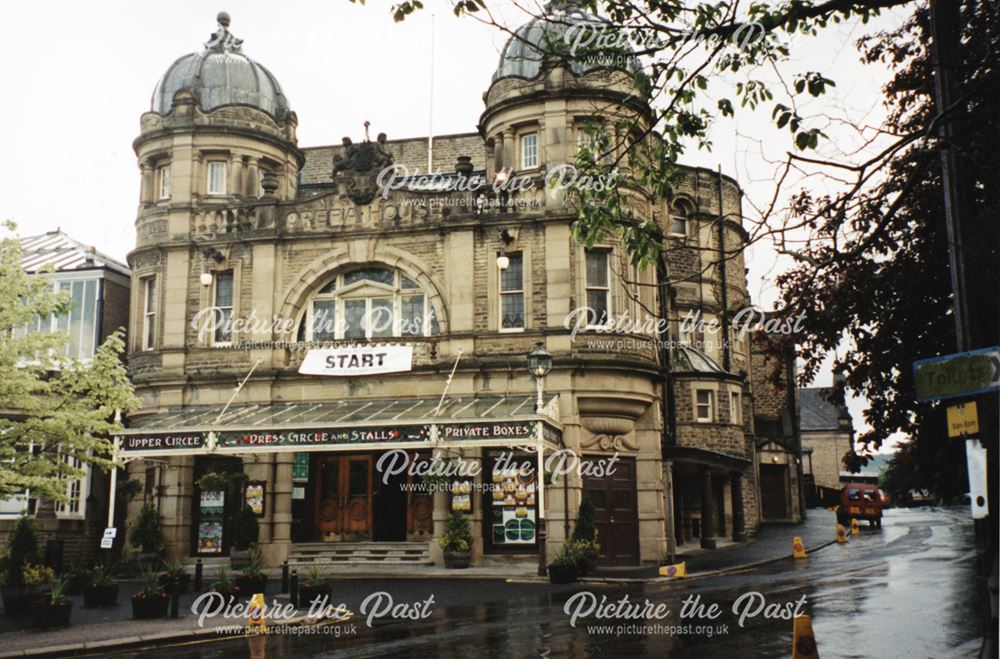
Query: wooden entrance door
[(617, 517), (774, 491), (344, 498)]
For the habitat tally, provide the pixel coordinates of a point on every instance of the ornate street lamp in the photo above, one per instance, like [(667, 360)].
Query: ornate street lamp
[(539, 365)]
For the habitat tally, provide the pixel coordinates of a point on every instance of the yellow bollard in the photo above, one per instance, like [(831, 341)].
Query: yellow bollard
[(803, 640), (855, 529), (677, 571), (841, 534), (256, 622), (798, 549)]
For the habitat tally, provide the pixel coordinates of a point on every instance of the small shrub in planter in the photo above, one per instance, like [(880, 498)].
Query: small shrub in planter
[(456, 541), (151, 601), (146, 536), (21, 550), (174, 570), (52, 609), (313, 586), (224, 584), (246, 531), (585, 536), (102, 590), (251, 579), (565, 567)]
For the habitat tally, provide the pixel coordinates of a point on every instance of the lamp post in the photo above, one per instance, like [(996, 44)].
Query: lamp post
[(539, 365)]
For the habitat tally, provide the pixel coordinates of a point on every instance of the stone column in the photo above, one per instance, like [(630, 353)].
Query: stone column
[(252, 188), (235, 175), (509, 150), (498, 152), (146, 188), (707, 510), (739, 520), (281, 521)]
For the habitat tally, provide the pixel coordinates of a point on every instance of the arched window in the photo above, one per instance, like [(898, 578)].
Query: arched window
[(680, 212), (368, 303)]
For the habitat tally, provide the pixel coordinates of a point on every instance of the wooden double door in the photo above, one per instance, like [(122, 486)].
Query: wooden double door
[(344, 497), (616, 513)]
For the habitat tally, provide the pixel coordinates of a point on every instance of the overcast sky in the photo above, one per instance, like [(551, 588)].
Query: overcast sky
[(77, 76)]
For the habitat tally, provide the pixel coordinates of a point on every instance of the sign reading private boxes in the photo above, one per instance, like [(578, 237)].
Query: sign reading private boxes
[(498, 430), (265, 438), (357, 360)]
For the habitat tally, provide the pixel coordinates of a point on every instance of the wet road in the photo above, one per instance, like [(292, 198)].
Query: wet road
[(906, 590)]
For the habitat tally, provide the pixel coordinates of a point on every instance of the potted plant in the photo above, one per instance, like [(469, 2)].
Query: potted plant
[(456, 541), (175, 570), (21, 550), (77, 578), (251, 579), (565, 567), (53, 608), (38, 580), (151, 601), (585, 536), (146, 536), (313, 585), (224, 585), (102, 589), (246, 530)]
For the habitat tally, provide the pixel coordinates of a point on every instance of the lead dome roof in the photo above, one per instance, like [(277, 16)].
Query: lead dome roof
[(221, 75)]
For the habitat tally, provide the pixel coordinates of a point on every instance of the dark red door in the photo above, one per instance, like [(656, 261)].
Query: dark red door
[(615, 503)]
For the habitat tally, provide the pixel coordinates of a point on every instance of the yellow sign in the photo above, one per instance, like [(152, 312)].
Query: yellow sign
[(841, 534), (678, 571), (963, 420), (798, 549)]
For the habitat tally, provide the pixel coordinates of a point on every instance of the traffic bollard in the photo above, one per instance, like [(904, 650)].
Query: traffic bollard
[(293, 589), (284, 577), (198, 572), (175, 597)]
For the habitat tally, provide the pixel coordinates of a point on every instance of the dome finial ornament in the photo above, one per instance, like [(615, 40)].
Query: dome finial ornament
[(222, 40)]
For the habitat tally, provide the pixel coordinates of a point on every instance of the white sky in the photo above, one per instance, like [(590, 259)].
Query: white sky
[(75, 78)]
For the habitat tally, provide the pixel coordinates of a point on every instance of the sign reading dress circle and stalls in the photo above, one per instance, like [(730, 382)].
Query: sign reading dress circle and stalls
[(326, 437)]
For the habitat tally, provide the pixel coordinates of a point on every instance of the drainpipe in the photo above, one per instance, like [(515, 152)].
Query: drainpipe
[(667, 402), (726, 356)]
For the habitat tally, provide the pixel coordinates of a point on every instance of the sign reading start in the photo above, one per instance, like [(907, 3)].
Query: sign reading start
[(357, 360)]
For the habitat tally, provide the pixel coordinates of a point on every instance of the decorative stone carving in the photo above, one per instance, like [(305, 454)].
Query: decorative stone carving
[(610, 443), (222, 40), (355, 173)]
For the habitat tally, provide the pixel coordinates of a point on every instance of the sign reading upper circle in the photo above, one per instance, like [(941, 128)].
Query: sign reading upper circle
[(357, 360)]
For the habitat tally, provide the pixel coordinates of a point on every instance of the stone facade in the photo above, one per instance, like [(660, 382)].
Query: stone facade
[(291, 224)]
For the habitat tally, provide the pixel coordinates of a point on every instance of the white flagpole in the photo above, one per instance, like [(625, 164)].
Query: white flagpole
[(430, 109)]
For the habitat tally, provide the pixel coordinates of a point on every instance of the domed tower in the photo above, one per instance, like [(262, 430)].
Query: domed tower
[(546, 91), (218, 124), (218, 153)]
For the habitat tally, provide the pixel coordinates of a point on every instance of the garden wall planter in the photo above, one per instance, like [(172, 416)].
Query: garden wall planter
[(456, 560), (146, 606), (248, 586), (309, 593), (563, 573), (100, 595)]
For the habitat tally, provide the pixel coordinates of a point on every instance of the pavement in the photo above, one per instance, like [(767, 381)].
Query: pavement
[(95, 630)]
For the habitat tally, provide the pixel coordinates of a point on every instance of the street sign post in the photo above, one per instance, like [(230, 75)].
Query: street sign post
[(960, 375)]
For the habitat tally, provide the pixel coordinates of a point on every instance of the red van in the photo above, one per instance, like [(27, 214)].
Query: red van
[(861, 501)]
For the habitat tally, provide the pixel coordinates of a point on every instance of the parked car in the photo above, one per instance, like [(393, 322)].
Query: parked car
[(861, 501)]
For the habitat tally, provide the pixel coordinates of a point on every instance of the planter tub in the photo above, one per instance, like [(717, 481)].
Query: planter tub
[(145, 607), (457, 560)]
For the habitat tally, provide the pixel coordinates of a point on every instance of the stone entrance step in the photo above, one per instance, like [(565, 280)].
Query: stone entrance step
[(359, 553)]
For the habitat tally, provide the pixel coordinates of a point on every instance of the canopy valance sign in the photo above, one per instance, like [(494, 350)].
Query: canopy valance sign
[(344, 426)]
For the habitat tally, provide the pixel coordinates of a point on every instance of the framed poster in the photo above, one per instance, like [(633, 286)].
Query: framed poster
[(254, 497), (211, 514), (461, 495), (512, 495)]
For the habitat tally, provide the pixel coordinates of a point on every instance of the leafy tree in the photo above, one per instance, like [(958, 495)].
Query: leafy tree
[(145, 533), (55, 408)]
